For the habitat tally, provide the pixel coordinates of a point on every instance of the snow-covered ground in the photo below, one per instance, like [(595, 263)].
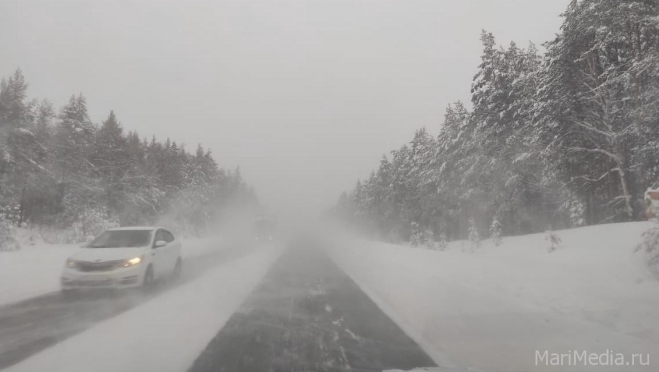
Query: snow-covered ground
[(32, 271), (165, 334), (35, 269), (492, 309)]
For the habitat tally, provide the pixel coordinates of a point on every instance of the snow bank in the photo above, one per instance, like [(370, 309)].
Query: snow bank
[(32, 271), (494, 308), (166, 333), (35, 269)]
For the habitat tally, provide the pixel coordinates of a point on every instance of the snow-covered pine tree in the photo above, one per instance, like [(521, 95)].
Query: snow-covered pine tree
[(569, 138), (455, 153), (495, 232), (69, 171), (419, 205), (7, 242), (14, 109), (603, 87), (112, 164), (650, 247), (442, 244), (17, 140), (417, 238), (399, 192), (73, 146), (553, 239), (502, 95), (474, 235)]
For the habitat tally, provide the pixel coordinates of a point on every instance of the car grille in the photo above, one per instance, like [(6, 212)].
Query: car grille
[(94, 283), (97, 266)]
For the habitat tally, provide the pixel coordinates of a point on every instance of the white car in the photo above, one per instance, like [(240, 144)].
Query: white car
[(124, 257)]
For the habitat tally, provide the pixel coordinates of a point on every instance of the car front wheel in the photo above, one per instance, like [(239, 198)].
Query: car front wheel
[(148, 281), (178, 269)]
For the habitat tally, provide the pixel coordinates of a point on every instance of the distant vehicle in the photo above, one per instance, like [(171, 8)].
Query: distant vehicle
[(124, 257), (265, 228)]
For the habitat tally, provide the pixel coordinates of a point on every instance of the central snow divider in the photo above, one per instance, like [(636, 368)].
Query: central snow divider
[(164, 334)]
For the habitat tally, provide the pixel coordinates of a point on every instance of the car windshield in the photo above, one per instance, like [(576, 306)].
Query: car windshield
[(121, 239)]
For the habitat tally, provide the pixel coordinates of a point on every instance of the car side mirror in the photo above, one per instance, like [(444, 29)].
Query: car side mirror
[(160, 243)]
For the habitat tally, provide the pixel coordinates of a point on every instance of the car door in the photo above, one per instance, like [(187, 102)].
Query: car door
[(159, 256)]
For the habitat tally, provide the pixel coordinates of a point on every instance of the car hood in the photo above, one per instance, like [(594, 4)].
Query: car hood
[(107, 254)]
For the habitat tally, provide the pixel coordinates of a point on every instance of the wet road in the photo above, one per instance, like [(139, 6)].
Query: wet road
[(30, 326), (307, 315)]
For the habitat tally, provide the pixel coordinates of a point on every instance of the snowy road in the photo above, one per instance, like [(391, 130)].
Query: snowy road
[(30, 326), (309, 315), (304, 314), (296, 307)]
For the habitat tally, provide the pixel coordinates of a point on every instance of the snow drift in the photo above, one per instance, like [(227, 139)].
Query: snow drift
[(492, 309)]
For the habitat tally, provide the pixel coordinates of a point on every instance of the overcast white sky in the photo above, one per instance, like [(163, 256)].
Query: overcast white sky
[(305, 96)]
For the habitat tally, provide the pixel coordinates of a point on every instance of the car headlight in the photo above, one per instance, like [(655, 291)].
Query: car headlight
[(132, 262), (71, 263)]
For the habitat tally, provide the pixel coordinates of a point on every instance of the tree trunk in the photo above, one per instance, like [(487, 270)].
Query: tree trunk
[(627, 193), (21, 208)]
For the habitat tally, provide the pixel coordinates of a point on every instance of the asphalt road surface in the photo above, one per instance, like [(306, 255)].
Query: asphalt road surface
[(308, 315), (30, 326), (305, 315)]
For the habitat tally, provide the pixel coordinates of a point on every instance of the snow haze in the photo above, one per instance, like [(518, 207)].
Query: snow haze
[(304, 96)]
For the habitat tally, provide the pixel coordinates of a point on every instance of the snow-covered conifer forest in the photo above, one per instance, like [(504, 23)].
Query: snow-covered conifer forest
[(557, 136), (60, 170)]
